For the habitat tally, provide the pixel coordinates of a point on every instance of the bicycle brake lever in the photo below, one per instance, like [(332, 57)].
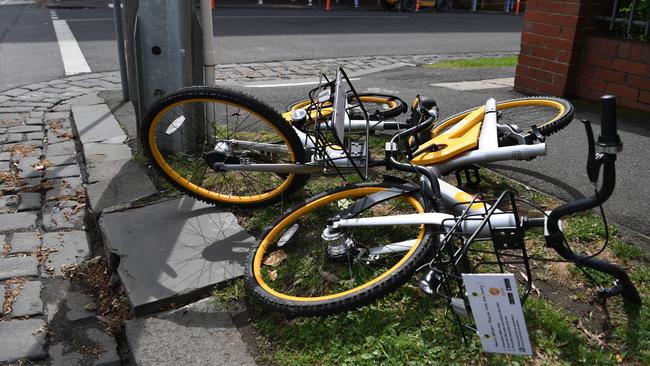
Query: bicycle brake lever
[(593, 165)]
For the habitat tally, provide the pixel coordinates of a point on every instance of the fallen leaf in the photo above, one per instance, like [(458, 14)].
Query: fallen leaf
[(275, 258), (273, 275)]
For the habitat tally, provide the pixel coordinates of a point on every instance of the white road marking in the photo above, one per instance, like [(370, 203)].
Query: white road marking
[(479, 84), (74, 61), (15, 2), (279, 85)]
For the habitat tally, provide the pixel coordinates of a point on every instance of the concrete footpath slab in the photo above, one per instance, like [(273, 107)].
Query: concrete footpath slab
[(198, 334), (174, 251), (122, 184), (95, 123)]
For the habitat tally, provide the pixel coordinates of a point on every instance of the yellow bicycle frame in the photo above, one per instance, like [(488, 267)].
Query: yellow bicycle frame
[(456, 140)]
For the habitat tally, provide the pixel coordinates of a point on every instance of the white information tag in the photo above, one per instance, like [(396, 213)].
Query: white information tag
[(497, 312)]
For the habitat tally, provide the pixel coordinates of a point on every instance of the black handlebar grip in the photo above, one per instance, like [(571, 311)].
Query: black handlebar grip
[(608, 129)]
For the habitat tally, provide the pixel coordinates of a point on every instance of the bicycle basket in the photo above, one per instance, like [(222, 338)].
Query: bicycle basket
[(328, 130)]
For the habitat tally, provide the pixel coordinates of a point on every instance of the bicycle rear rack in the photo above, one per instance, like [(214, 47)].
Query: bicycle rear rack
[(469, 252)]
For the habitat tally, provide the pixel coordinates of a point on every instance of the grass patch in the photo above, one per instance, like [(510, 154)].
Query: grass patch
[(224, 296), (626, 251), (406, 328), (588, 228), (505, 61)]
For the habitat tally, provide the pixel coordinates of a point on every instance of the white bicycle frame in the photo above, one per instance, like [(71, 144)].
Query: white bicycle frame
[(488, 150)]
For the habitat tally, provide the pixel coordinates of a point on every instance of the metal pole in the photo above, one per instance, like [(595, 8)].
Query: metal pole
[(629, 23), (167, 55), (209, 54), (614, 10), (119, 33)]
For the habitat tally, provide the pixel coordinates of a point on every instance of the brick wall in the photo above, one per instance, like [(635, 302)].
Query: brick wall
[(546, 47), (616, 67), (560, 55)]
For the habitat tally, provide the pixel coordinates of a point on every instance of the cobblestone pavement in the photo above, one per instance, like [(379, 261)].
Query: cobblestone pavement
[(285, 70), (42, 228), (45, 318)]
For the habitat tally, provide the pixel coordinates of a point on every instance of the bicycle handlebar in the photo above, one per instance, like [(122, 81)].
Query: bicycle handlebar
[(608, 145), (608, 134)]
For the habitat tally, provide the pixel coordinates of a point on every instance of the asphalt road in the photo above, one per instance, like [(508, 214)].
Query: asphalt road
[(30, 52)]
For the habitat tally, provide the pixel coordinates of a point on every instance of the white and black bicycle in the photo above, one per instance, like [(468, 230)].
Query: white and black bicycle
[(352, 245), (225, 147)]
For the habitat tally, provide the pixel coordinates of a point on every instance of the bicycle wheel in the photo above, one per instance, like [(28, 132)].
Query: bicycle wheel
[(295, 270), (549, 114), (377, 105), (193, 128), (408, 5)]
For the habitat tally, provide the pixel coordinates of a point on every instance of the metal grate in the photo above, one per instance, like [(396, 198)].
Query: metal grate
[(634, 18)]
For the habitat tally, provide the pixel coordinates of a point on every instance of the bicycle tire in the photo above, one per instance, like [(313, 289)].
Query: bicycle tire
[(408, 5), (546, 125), (237, 115), (302, 270), (391, 106)]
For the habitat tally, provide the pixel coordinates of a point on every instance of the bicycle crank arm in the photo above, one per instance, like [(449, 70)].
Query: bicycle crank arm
[(272, 168)]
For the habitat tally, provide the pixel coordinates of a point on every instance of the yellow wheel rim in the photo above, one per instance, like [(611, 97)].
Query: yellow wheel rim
[(185, 183), (278, 228), (506, 105)]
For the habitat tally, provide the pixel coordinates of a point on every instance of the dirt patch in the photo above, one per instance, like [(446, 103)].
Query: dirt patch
[(92, 349), (13, 288), (11, 181), (20, 149), (113, 308)]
